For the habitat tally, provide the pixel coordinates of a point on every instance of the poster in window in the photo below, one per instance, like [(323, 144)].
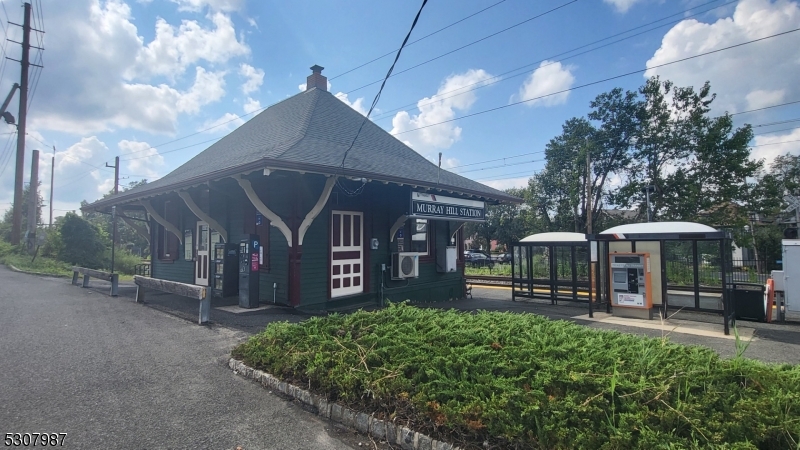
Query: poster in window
[(214, 237), (187, 245)]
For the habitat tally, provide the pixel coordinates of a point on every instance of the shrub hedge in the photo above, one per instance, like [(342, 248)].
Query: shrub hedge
[(524, 381)]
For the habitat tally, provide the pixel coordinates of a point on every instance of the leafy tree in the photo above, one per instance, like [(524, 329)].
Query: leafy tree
[(81, 242), (126, 235)]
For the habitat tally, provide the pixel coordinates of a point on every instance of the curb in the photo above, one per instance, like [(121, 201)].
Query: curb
[(394, 434), (41, 274)]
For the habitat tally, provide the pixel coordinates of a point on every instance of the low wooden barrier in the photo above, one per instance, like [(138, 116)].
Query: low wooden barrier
[(87, 273), (192, 291)]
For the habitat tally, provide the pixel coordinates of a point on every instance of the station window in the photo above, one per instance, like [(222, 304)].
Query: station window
[(420, 230)]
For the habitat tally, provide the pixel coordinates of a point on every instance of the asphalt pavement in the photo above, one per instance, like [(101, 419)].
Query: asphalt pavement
[(115, 374)]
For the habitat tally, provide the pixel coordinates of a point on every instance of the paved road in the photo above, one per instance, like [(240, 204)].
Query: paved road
[(114, 374)]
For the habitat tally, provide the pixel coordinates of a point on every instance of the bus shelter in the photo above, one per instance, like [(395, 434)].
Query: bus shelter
[(556, 266)]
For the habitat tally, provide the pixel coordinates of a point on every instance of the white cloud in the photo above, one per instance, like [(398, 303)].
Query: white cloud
[(255, 77), (549, 78), (225, 124), (761, 98), (176, 48), (741, 77), (75, 179), (99, 69), (208, 87), (508, 183), (439, 108), (251, 105), (358, 104), (622, 5), (144, 159), (217, 5), (776, 145)]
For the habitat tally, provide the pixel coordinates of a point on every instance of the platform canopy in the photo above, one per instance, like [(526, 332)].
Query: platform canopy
[(661, 231), (557, 236)]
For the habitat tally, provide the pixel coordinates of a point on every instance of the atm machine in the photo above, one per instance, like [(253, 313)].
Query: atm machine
[(631, 293), (248, 271)]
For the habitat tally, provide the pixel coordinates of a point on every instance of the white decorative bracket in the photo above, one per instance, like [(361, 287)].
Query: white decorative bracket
[(162, 221), (323, 199), (273, 218), (399, 223), (187, 198), (460, 225), (141, 231)]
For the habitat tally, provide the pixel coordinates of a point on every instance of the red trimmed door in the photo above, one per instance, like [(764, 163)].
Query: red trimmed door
[(347, 255)]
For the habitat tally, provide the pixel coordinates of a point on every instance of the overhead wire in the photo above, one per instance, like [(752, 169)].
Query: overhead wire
[(358, 190), (634, 72), (417, 40), (469, 44), (550, 60), (5, 156), (383, 114)]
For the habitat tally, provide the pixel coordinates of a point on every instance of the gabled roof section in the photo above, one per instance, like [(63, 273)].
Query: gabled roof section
[(310, 132)]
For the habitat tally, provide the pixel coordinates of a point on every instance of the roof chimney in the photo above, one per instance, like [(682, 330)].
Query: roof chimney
[(316, 79)]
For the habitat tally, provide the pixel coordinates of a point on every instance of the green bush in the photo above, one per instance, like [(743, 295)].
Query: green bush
[(82, 243), (524, 381), (124, 261)]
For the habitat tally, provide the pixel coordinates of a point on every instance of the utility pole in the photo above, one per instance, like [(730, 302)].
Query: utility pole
[(33, 202), (52, 173), (16, 223), (114, 211)]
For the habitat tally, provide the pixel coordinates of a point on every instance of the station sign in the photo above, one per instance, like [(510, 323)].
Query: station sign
[(447, 208)]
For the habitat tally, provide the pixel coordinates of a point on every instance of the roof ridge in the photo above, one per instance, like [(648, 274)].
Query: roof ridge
[(304, 126)]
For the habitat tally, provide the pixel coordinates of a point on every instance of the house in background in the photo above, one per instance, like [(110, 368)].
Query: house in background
[(336, 222)]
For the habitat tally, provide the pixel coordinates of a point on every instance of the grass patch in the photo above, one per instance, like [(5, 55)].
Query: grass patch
[(524, 381), (497, 270), (40, 264)]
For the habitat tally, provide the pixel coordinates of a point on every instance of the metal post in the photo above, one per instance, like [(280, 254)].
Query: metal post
[(16, 220), (726, 303), (648, 202), (114, 212), (205, 306), (114, 284)]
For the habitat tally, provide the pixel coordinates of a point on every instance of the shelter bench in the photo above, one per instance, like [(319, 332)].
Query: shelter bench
[(201, 293), (87, 273)]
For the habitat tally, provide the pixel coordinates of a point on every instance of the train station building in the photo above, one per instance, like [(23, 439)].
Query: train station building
[(288, 209)]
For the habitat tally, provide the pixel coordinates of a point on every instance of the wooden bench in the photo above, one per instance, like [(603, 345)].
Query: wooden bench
[(87, 273), (192, 291)]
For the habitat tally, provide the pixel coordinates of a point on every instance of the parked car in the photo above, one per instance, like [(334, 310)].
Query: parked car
[(477, 259), (502, 258)]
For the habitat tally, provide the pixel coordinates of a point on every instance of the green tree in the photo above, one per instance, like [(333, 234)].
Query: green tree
[(126, 235), (81, 242)]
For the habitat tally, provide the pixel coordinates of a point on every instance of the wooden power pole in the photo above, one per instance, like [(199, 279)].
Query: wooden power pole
[(16, 222), (114, 211)]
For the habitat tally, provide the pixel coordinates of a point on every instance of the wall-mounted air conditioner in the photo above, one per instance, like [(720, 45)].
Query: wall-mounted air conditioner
[(405, 265)]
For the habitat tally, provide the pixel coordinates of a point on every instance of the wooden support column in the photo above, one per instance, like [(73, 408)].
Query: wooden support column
[(200, 214), (162, 221), (295, 252)]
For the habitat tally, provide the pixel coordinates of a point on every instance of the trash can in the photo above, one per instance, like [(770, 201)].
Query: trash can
[(749, 301)]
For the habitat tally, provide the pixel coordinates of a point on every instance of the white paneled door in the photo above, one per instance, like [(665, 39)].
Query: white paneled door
[(347, 255), (201, 262)]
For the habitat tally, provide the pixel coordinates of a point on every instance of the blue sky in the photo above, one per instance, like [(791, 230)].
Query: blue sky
[(145, 80)]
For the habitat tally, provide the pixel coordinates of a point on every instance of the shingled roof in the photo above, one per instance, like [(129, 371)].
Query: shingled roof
[(310, 132)]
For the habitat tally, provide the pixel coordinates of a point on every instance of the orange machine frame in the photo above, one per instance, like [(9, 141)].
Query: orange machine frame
[(648, 291)]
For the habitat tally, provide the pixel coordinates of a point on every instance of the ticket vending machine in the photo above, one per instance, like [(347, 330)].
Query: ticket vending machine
[(631, 294), (226, 275), (248, 271)]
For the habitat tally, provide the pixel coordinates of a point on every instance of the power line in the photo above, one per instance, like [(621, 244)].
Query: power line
[(503, 165), (469, 44), (596, 141), (417, 40), (8, 150), (375, 102), (598, 81), (499, 78), (168, 151)]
